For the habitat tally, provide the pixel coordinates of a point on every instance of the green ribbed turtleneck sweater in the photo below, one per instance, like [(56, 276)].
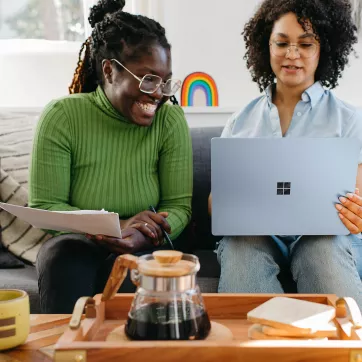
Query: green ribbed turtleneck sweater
[(87, 156)]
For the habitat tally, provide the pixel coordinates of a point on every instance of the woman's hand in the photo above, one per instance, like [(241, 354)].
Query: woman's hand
[(350, 211), (132, 241), (149, 223)]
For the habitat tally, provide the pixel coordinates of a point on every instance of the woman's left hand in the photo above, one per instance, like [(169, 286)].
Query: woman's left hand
[(350, 211)]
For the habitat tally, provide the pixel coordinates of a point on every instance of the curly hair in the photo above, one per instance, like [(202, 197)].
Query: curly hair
[(116, 34), (331, 21)]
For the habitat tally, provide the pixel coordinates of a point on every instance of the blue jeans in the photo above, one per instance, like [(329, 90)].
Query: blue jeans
[(318, 264)]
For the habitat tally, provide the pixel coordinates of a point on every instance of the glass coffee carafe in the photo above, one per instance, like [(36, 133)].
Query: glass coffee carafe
[(167, 304)]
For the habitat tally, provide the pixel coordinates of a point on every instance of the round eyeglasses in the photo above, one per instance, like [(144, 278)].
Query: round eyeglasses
[(283, 48), (150, 83)]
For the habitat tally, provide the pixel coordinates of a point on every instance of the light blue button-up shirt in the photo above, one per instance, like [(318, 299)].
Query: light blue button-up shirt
[(318, 114)]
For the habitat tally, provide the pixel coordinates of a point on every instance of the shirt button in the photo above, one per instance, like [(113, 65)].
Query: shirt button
[(299, 114)]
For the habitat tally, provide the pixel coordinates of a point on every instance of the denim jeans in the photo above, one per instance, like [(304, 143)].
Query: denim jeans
[(69, 267), (318, 264)]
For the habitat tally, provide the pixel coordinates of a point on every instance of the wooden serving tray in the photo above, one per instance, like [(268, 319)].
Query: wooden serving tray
[(87, 342)]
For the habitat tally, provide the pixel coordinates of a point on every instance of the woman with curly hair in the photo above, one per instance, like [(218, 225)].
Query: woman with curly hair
[(113, 144), (296, 50)]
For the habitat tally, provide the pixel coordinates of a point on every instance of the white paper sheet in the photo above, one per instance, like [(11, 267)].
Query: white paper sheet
[(81, 221)]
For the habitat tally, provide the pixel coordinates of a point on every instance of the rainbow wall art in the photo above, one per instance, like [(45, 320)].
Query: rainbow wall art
[(196, 84)]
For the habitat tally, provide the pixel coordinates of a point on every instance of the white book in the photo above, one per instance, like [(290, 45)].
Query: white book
[(81, 221)]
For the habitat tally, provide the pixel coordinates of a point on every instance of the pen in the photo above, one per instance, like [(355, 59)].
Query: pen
[(163, 231)]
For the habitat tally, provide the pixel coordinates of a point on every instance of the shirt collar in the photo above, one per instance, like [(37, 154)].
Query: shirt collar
[(313, 94), (269, 94)]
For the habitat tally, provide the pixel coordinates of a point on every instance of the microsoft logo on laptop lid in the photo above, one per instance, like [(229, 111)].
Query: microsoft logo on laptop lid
[(283, 188)]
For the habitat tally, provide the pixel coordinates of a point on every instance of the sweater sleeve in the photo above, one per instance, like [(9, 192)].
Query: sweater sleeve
[(175, 171), (50, 169)]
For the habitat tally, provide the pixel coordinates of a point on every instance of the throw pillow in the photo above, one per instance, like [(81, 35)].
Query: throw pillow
[(16, 137), (18, 237)]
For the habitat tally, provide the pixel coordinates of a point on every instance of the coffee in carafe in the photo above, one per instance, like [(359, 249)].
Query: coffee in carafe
[(168, 304), (160, 322)]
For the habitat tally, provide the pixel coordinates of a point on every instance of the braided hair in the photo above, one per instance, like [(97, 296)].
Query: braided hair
[(116, 34)]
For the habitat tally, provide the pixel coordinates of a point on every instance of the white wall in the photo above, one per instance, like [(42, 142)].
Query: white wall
[(33, 72), (205, 35), (349, 85)]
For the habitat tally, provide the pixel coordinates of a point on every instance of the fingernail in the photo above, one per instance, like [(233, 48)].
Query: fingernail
[(338, 207), (99, 237), (342, 199), (153, 235), (341, 216), (350, 196)]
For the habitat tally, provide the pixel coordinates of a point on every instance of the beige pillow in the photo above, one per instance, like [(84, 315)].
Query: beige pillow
[(19, 237), (16, 138)]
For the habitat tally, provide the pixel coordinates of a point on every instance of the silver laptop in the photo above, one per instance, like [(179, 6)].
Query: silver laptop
[(280, 186)]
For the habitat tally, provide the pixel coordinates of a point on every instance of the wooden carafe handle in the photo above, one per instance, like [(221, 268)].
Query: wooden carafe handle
[(118, 274)]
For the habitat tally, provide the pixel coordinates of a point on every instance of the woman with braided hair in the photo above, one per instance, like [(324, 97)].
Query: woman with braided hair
[(115, 144)]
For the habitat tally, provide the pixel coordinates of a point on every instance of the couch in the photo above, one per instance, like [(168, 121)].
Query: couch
[(197, 238)]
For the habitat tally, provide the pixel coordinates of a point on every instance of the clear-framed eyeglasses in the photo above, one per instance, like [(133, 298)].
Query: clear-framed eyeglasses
[(305, 49), (151, 82)]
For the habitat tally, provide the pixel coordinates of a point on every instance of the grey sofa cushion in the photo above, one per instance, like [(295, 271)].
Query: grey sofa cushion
[(208, 285), (210, 267), (9, 260), (24, 279), (201, 221)]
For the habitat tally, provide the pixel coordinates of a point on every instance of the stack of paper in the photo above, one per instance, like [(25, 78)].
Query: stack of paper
[(81, 221)]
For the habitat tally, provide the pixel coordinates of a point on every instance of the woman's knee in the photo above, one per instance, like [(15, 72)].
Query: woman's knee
[(232, 250), (248, 265), (248, 255), (357, 251), (63, 249), (322, 249), (224, 246), (321, 256), (248, 248), (326, 265)]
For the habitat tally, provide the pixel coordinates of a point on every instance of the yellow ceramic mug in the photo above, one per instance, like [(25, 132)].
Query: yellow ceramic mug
[(14, 317)]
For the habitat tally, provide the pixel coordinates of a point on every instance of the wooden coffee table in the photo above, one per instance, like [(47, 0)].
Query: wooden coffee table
[(45, 329), (227, 309)]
